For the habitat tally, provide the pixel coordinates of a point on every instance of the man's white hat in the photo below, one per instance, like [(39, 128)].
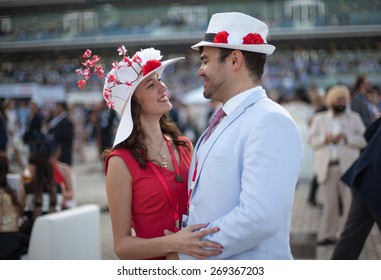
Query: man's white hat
[(236, 31)]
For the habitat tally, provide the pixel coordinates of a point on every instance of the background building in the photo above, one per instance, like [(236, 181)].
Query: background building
[(318, 42)]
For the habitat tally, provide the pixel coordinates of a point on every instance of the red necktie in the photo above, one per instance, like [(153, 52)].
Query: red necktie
[(215, 120)]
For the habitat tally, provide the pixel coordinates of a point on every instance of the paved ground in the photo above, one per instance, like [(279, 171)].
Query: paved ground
[(306, 222)]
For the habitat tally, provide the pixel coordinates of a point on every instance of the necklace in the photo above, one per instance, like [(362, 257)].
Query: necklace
[(164, 162), (179, 182)]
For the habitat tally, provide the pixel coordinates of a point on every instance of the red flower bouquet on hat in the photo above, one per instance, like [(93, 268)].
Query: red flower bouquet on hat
[(253, 38), (222, 37)]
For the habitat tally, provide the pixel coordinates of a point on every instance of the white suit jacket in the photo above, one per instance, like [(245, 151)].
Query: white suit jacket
[(246, 178), (348, 152)]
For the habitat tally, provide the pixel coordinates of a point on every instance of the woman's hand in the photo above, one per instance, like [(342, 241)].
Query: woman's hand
[(172, 256), (189, 241)]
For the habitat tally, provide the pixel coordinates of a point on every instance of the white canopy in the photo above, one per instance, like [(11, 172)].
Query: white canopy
[(195, 96)]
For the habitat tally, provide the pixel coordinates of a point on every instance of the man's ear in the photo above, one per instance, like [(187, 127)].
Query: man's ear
[(237, 59)]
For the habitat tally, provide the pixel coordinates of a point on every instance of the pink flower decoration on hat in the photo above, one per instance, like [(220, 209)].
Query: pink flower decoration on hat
[(122, 50), (110, 104), (253, 39), (81, 83), (113, 79), (150, 65), (87, 54), (221, 37), (142, 63), (137, 59), (107, 93), (99, 71)]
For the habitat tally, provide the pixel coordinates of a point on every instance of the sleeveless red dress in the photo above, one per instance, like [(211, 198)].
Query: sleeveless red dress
[(152, 211)]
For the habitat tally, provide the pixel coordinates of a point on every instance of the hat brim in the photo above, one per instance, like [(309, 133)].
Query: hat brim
[(126, 124), (263, 48)]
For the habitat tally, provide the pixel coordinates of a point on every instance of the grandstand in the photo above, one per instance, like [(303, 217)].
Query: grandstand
[(319, 43)]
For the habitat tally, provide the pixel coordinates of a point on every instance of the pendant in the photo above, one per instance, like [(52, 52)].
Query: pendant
[(179, 178), (164, 163)]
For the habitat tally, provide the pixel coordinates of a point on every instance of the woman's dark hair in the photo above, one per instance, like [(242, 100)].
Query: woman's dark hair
[(4, 170), (255, 62), (135, 142)]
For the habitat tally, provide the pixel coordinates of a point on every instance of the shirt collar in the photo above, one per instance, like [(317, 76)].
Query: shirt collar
[(237, 100)]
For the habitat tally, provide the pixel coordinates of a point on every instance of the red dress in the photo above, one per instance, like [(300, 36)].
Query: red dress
[(58, 177), (152, 211)]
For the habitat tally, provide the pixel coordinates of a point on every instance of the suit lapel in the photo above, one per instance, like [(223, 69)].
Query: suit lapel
[(202, 149)]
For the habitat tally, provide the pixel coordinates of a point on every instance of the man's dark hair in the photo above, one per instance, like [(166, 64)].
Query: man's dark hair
[(63, 105), (255, 62)]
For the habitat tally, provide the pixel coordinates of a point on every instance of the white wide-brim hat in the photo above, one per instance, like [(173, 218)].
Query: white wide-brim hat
[(236, 31), (129, 74)]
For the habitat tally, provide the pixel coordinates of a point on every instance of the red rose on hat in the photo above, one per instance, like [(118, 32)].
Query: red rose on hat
[(150, 65), (253, 39), (221, 37)]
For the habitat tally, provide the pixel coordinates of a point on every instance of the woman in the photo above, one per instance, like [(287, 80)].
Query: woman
[(42, 194), (147, 168), (63, 175), (10, 241)]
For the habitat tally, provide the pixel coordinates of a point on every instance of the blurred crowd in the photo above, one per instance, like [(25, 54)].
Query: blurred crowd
[(285, 71), (94, 122), (25, 123)]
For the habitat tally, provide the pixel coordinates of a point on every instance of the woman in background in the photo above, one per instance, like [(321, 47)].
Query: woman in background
[(42, 194), (10, 242)]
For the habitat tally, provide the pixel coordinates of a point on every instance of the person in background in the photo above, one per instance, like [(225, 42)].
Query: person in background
[(244, 171), (78, 119), (3, 129), (363, 177), (317, 101), (337, 138), (10, 239), (63, 175), (13, 130), (41, 195), (33, 131), (61, 130), (147, 167), (373, 98), (360, 102), (301, 110), (377, 92), (105, 127)]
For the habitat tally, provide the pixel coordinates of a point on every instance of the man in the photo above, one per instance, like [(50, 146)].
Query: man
[(364, 179), (360, 102), (62, 131), (105, 126), (33, 131), (243, 177), (337, 138)]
